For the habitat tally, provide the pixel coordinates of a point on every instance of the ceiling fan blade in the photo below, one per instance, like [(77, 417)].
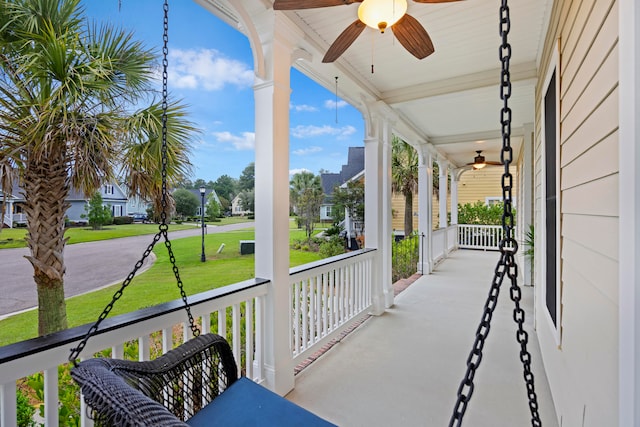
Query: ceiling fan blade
[(412, 35), (309, 4), (489, 162), (344, 40), (435, 1)]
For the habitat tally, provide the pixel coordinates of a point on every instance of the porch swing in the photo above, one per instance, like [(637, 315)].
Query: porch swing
[(196, 384)]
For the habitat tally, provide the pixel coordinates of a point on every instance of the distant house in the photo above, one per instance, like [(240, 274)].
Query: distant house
[(207, 194), (112, 196), (136, 205), (329, 181), (236, 207)]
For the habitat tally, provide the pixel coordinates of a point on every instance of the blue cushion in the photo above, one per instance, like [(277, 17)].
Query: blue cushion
[(248, 404)]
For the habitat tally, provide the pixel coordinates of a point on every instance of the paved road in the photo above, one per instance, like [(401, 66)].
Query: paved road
[(90, 266)]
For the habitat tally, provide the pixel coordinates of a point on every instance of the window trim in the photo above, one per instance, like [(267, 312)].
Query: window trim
[(556, 328)]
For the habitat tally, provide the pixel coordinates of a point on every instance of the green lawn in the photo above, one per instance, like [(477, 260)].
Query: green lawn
[(14, 237), (158, 284)]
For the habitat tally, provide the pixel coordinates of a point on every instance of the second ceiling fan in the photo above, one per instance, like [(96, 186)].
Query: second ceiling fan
[(378, 14), (479, 161)]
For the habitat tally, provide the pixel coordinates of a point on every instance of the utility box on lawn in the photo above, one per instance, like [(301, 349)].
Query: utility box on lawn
[(247, 247)]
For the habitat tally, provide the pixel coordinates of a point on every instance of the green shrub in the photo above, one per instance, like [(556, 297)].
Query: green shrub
[(120, 220), (333, 246), (334, 230), (25, 410), (405, 257), (97, 214), (481, 214)]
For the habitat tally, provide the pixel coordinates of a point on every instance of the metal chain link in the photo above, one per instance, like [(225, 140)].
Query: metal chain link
[(506, 264), (163, 227)]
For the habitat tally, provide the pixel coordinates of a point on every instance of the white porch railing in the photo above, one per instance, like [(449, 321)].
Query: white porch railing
[(452, 238), (48, 353), (327, 297), (20, 218), (485, 237), (444, 240)]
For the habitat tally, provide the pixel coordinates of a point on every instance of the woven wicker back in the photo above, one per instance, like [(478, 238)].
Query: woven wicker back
[(163, 392)]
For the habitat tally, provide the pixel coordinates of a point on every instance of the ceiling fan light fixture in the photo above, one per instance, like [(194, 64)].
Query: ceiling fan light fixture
[(478, 161), (381, 14)]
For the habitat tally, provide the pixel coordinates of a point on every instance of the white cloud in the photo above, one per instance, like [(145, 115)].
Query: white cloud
[(311, 131), (302, 107), (331, 104), (299, 170), (244, 141), (305, 151), (207, 69)]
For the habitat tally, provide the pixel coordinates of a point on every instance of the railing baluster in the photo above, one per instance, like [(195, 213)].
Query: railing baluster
[(51, 396), (297, 314), (305, 314), (235, 331), (248, 349), (144, 350), (259, 345), (8, 410), (222, 323)]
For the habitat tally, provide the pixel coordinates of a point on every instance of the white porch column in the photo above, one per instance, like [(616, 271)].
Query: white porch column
[(629, 227), (373, 183), (272, 96), (524, 207), (454, 197), (386, 237), (443, 165), (425, 208)]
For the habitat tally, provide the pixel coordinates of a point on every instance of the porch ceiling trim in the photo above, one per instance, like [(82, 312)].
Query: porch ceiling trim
[(519, 72)]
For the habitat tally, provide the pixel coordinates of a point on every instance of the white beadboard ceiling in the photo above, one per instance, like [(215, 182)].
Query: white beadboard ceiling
[(451, 98)]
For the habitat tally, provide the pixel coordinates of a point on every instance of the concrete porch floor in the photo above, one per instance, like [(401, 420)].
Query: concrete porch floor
[(403, 368)]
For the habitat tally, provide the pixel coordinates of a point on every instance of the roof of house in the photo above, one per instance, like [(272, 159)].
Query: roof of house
[(354, 166)]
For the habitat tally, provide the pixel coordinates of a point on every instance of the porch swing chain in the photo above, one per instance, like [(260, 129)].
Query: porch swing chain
[(506, 264), (163, 227)]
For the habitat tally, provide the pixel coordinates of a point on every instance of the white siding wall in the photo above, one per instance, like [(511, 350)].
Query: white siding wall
[(583, 369)]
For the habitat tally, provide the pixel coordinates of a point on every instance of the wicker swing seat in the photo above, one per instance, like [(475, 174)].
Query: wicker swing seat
[(195, 384)]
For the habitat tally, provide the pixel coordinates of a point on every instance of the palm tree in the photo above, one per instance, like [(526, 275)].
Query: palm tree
[(306, 195), (67, 94), (404, 177)]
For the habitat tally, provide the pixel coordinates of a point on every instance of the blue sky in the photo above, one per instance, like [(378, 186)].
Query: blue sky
[(211, 69)]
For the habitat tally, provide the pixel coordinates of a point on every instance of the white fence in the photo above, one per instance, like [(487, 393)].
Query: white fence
[(485, 237), (326, 299)]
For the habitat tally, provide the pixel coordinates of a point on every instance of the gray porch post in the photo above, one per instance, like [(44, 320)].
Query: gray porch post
[(272, 96)]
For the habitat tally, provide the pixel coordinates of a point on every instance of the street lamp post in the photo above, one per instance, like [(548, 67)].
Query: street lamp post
[(202, 191)]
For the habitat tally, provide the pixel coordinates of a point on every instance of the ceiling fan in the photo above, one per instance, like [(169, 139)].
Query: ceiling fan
[(479, 161), (377, 14)]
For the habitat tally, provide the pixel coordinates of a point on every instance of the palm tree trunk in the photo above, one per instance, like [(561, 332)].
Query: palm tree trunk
[(408, 214), (46, 190)]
